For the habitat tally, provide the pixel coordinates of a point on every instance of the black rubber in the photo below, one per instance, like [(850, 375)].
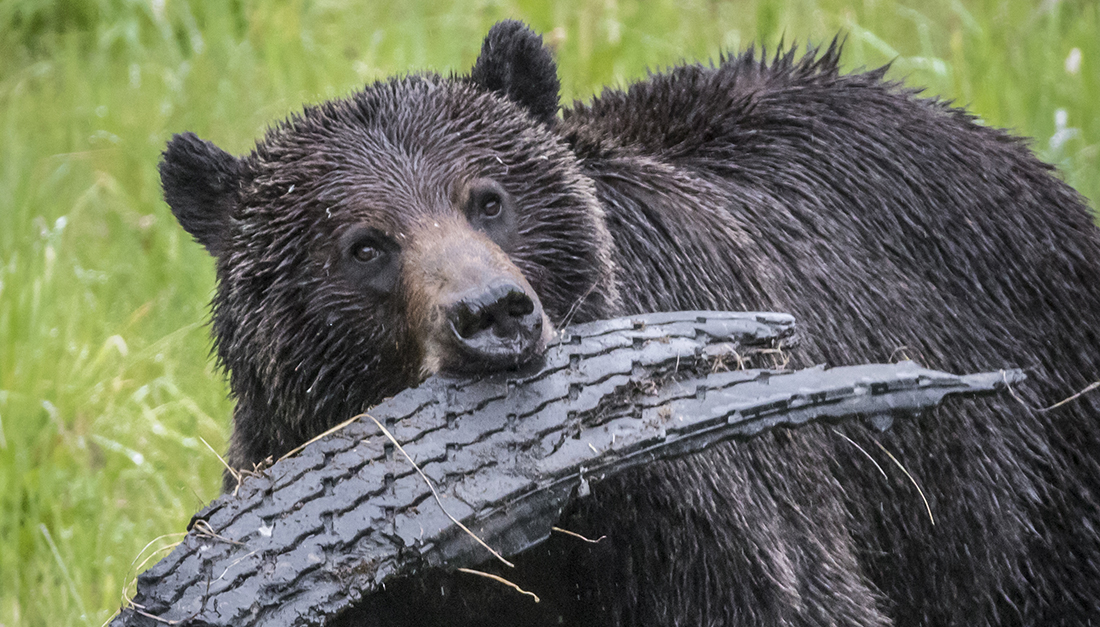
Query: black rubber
[(311, 535)]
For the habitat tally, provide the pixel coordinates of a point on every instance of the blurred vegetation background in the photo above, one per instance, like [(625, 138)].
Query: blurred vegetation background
[(107, 392)]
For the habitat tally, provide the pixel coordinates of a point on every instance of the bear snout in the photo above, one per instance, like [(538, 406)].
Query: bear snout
[(496, 327), (471, 308)]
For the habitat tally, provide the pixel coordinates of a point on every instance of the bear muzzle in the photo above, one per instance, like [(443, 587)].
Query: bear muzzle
[(495, 327), (472, 309)]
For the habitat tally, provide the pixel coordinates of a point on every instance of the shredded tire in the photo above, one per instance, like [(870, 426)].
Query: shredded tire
[(313, 534)]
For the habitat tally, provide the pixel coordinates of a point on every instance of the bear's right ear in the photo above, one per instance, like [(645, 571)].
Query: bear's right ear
[(515, 64), (201, 184)]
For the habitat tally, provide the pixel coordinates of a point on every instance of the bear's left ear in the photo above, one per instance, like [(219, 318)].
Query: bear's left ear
[(515, 64)]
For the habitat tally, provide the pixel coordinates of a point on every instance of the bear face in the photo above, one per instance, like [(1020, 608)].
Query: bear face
[(422, 225)]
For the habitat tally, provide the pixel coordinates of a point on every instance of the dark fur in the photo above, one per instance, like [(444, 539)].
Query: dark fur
[(880, 220)]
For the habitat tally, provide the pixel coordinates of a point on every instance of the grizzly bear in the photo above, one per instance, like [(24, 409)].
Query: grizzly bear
[(449, 224)]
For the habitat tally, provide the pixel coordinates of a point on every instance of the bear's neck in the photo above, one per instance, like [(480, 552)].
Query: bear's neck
[(671, 254)]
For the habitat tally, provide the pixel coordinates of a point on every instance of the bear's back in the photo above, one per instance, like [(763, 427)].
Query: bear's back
[(891, 227)]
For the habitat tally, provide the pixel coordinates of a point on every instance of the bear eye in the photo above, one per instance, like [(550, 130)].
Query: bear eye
[(485, 199), (365, 245), (370, 259), (490, 209), (365, 252), (490, 205)]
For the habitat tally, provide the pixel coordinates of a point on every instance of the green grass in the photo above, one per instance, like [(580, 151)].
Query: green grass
[(106, 386)]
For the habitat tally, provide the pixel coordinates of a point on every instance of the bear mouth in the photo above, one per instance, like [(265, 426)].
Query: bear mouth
[(497, 325), (494, 346)]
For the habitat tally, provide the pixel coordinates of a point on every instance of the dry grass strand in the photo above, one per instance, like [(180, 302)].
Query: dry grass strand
[(499, 579), (1088, 388), (298, 449), (864, 451), (435, 494), (205, 529), (911, 479), (577, 535), (236, 474)]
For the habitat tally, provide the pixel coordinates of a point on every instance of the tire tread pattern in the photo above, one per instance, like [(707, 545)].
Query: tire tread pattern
[(305, 538)]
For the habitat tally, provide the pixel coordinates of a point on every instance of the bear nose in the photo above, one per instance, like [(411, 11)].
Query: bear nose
[(496, 327)]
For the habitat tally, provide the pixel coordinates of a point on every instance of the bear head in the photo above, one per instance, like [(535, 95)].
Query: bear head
[(424, 224)]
